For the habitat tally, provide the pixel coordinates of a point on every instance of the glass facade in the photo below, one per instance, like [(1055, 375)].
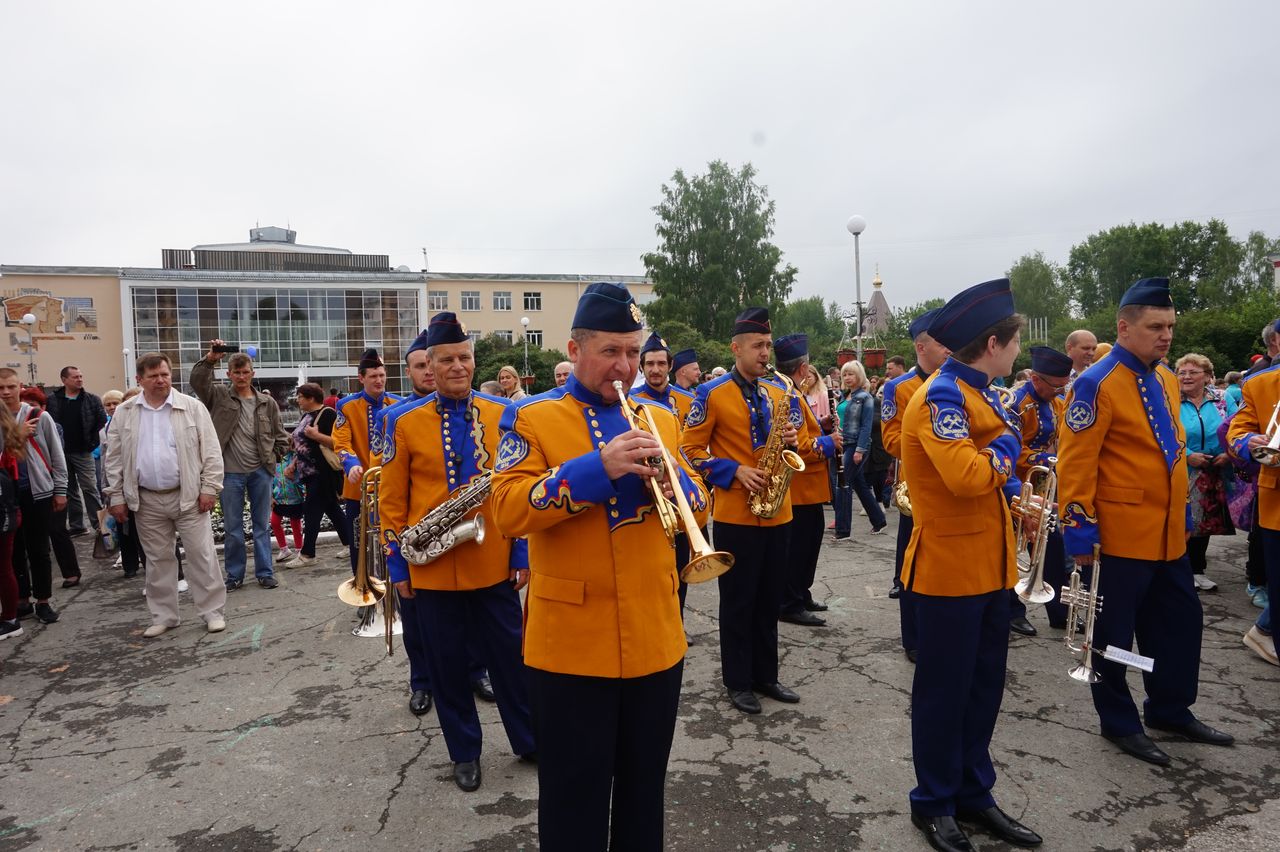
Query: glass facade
[(317, 327)]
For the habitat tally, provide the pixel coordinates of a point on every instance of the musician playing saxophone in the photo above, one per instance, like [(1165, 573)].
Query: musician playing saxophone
[(728, 425), (897, 396), (1039, 405), (959, 450), (433, 448), (604, 644)]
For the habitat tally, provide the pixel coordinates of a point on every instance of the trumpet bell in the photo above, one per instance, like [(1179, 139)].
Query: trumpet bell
[(373, 625), (1266, 456), (1031, 595), (350, 595), (1084, 674), (706, 566)]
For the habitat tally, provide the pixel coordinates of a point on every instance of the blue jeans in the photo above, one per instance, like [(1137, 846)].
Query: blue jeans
[(855, 475), (234, 488)]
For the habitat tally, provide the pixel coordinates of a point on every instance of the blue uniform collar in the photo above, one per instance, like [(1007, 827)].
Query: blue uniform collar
[(375, 402), (1133, 362), (658, 395), (963, 372), (444, 403), (580, 392)]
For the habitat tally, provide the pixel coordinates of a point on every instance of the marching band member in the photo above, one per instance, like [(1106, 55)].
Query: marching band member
[(604, 644), (433, 448), (1260, 393), (685, 372), (959, 451), (357, 436), (655, 364), (897, 395), (1122, 482), (729, 422), (1039, 404), (810, 490)]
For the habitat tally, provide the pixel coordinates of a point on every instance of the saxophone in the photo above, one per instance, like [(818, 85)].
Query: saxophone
[(778, 463), (443, 528)]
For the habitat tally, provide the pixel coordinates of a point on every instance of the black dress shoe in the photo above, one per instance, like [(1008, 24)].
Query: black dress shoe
[(806, 619), (467, 775), (894, 592), (815, 606), (912, 654), (1022, 627), (778, 692), (942, 833), (420, 702), (744, 700), (529, 757), (1141, 747), (483, 689), (1197, 732), (1003, 826)]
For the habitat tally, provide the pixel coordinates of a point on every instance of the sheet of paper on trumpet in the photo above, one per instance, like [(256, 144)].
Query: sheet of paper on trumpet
[(1128, 658)]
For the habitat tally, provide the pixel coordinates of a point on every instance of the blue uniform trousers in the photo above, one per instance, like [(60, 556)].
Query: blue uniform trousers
[(415, 648), (1055, 574), (906, 604), (1156, 602), (491, 617), (749, 598), (807, 530), (1271, 559), (603, 745), (955, 699)]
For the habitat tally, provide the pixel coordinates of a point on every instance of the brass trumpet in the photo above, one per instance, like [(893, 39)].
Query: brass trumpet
[(1086, 604), (1033, 509), (705, 563), (1269, 455), (369, 588)]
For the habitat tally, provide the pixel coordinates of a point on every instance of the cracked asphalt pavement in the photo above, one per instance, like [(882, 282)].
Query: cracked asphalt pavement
[(286, 732)]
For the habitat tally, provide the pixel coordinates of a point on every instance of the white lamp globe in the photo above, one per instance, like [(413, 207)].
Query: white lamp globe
[(856, 225)]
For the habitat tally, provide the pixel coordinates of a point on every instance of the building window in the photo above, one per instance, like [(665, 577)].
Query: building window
[(437, 300), (534, 336), (502, 300), (471, 300), (504, 336), (474, 335), (532, 301)]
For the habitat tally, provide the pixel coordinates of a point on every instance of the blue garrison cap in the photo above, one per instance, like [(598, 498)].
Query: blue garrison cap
[(444, 328), (370, 360), (654, 344), (683, 358), (607, 307), (790, 347), (920, 324), (1048, 361), (971, 312), (1148, 291), (753, 321), (419, 343)]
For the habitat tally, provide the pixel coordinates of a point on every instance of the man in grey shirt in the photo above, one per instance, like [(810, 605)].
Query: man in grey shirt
[(253, 441)]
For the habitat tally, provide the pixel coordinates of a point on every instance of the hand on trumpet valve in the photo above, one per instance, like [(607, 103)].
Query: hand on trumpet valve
[(634, 451)]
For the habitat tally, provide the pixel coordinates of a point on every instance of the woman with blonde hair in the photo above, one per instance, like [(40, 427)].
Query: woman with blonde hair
[(1203, 409), (13, 447), (509, 380), (857, 416)]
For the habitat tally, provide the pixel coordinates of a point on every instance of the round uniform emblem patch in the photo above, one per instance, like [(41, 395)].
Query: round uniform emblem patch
[(950, 423), (697, 413), (888, 410), (1080, 415), (511, 451)]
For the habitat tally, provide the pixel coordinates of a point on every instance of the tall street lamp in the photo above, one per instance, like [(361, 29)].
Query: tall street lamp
[(29, 320), (856, 226), (127, 366), (524, 322)]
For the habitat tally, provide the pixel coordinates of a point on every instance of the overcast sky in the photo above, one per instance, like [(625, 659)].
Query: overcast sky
[(534, 137)]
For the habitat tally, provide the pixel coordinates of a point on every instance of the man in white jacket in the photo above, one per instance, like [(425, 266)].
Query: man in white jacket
[(164, 462)]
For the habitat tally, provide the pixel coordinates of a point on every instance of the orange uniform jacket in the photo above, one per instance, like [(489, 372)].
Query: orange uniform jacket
[(430, 451), (1259, 395), (813, 484), (357, 434), (724, 431), (958, 453), (674, 397), (1122, 465), (603, 593), (1040, 420), (897, 395)]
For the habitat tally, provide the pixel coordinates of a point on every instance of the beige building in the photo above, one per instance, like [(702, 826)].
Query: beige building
[(304, 310)]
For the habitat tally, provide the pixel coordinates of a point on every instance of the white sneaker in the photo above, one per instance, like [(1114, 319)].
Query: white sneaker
[(284, 554), (1262, 645), (217, 624), (299, 561), (155, 630), (182, 585), (1203, 583), (119, 563)]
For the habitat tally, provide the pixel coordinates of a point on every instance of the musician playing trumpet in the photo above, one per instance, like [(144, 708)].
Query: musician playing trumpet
[(959, 451), (604, 642), (433, 449)]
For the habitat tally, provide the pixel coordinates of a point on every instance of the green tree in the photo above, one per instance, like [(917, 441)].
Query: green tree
[(1036, 291), (714, 253), (493, 352)]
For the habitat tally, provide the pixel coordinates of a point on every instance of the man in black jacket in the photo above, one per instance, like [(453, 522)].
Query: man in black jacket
[(81, 416)]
